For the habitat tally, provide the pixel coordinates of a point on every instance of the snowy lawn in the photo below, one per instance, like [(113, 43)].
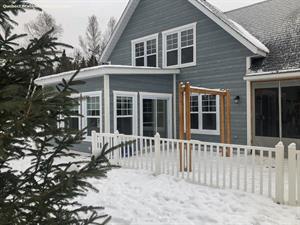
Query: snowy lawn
[(135, 197), (140, 198)]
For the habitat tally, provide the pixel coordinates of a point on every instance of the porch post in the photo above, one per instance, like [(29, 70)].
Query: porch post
[(106, 104), (249, 113)]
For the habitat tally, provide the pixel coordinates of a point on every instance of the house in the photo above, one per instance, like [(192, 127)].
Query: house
[(252, 51)]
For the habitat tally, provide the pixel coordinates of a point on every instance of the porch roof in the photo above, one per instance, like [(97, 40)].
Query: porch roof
[(100, 71)]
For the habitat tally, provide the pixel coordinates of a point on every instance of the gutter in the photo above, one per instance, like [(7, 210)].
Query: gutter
[(273, 75)]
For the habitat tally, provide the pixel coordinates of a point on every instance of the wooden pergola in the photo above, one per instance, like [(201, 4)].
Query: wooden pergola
[(185, 92)]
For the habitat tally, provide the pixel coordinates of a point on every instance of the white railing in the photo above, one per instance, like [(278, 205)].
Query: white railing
[(253, 169)]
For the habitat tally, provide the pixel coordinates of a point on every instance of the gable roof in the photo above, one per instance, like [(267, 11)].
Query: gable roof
[(236, 30), (277, 24)]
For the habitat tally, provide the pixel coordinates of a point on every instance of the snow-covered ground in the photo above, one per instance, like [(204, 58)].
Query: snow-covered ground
[(135, 197)]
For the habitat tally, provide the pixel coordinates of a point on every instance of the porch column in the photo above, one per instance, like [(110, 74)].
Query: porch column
[(249, 112), (106, 104)]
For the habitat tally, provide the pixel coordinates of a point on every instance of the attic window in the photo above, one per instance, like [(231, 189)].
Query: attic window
[(180, 46), (144, 51)]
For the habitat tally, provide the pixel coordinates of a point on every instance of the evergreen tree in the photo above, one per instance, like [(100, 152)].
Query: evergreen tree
[(92, 61), (65, 63), (83, 63), (44, 192)]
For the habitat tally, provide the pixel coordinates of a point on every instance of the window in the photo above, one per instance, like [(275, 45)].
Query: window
[(125, 112), (205, 114), (144, 51), (92, 112), (73, 122), (180, 46)]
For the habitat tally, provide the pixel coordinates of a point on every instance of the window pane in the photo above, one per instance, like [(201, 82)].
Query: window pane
[(93, 106), (93, 124), (267, 112), (151, 61), (124, 125), (187, 38), (124, 106), (139, 49), (139, 61), (195, 121), (72, 123), (290, 112), (172, 41), (151, 47), (172, 58), (209, 103), (209, 121), (187, 55), (194, 103)]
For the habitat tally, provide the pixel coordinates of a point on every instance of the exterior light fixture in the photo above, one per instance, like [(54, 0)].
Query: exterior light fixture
[(237, 100)]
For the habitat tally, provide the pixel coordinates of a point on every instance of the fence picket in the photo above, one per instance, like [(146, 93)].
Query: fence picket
[(208, 163)]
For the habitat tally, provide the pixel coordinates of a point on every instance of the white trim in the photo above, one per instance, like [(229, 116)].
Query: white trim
[(156, 96), (200, 114), (178, 30), (273, 76), (174, 106), (134, 96), (249, 113), (84, 110), (144, 40), (253, 44), (106, 104), (100, 71), (120, 27)]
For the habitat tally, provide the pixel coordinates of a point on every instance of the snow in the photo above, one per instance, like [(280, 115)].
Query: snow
[(250, 37), (136, 197)]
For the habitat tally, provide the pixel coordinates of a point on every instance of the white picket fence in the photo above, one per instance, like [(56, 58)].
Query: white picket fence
[(259, 170)]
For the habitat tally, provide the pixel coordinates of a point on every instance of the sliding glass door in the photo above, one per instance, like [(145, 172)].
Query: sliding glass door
[(276, 109), (155, 114)]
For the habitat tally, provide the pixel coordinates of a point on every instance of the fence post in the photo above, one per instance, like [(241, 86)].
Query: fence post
[(292, 171), (117, 151), (94, 143), (157, 154), (279, 198)]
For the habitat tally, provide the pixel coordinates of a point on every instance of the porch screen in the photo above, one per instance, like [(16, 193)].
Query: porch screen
[(290, 97), (267, 112)]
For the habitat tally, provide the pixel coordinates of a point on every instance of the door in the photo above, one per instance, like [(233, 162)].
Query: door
[(276, 113), (156, 114)]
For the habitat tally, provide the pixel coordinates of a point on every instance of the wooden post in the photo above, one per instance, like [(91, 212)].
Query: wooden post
[(181, 122), (228, 117), (222, 118), (188, 124)]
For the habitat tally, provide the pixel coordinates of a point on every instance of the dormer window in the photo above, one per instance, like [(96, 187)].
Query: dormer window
[(144, 51), (179, 47)]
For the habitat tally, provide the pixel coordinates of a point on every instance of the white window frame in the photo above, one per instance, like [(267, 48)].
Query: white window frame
[(157, 96), (200, 114), (62, 123), (84, 110), (144, 40), (178, 31), (132, 95)]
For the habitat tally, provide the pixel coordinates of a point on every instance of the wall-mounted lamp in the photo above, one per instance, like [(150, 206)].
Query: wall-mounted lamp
[(237, 100)]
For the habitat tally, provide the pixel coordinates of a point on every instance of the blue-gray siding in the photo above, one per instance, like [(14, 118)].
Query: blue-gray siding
[(93, 84), (139, 83), (221, 59)]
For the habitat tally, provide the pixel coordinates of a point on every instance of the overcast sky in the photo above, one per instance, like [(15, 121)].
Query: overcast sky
[(73, 14)]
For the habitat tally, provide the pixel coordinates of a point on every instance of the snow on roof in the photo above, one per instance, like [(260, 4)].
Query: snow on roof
[(250, 37)]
